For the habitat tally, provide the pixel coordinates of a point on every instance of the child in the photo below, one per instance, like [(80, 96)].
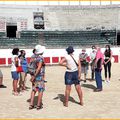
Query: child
[(14, 73)]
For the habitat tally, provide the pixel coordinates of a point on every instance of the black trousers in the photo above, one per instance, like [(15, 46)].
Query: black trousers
[(92, 69), (107, 68)]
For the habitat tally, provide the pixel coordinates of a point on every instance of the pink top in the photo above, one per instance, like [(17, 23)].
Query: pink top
[(99, 55)]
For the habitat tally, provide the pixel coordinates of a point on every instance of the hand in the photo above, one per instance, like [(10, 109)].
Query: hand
[(32, 79), (68, 67), (105, 63), (79, 77)]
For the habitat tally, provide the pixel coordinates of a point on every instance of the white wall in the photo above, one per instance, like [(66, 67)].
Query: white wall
[(7, 53)]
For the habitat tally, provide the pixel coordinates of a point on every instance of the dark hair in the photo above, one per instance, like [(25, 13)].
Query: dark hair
[(21, 53), (93, 47), (15, 51), (107, 51), (108, 48), (34, 50), (70, 50)]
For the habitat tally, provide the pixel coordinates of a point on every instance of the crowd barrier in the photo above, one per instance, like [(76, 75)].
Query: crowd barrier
[(51, 56)]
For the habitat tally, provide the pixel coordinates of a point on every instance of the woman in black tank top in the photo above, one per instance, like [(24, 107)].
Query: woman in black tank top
[(107, 63)]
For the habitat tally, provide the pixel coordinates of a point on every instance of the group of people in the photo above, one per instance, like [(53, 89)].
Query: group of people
[(75, 66), (18, 59), (91, 60), (20, 69)]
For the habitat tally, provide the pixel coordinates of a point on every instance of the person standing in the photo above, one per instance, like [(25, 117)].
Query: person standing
[(92, 62), (37, 79), (72, 74), (23, 74), (98, 68), (107, 63), (84, 63), (1, 80), (14, 73)]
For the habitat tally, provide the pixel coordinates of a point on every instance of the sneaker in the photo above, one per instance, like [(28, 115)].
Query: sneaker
[(3, 86), (108, 81), (97, 90)]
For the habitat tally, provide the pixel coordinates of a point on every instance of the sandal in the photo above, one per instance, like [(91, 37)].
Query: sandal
[(16, 94), (65, 104), (39, 107), (31, 107), (81, 103)]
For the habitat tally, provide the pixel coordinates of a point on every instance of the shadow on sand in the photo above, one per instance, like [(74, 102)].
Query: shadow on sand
[(35, 100), (89, 86), (61, 97)]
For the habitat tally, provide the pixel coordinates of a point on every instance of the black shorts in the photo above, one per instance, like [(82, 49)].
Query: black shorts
[(71, 78)]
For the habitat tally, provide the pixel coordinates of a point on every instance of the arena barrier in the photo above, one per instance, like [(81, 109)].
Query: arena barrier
[(51, 56)]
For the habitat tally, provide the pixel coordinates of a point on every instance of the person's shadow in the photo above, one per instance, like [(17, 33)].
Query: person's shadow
[(27, 89), (89, 86), (61, 97), (35, 100)]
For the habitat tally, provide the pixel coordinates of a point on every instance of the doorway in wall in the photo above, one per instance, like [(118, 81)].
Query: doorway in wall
[(11, 31), (118, 38)]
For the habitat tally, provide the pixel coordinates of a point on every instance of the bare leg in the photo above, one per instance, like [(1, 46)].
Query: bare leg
[(13, 86), (20, 82), (1, 83), (24, 86), (32, 100), (15, 91), (32, 97), (80, 94), (1, 80), (40, 94), (67, 94)]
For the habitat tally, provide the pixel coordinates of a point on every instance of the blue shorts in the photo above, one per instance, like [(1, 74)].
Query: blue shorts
[(15, 75), (71, 78)]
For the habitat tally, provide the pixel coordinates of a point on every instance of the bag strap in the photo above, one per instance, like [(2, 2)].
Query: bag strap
[(74, 60)]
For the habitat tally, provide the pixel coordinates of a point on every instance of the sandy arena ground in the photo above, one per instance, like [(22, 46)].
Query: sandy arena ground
[(105, 104)]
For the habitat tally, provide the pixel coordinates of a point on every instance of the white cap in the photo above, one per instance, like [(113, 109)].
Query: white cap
[(39, 49)]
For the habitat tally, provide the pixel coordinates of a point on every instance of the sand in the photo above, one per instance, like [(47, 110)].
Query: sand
[(105, 104)]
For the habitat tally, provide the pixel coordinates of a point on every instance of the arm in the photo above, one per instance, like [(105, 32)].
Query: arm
[(63, 62), (79, 69), (109, 58), (16, 61), (32, 59), (37, 71)]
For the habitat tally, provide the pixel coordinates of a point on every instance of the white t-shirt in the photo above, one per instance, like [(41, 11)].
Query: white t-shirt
[(92, 55), (70, 62), (13, 67)]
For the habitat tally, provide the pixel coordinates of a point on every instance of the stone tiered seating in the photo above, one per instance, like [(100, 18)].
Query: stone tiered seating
[(60, 39)]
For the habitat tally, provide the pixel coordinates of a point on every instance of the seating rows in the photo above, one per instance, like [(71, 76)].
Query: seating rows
[(59, 39)]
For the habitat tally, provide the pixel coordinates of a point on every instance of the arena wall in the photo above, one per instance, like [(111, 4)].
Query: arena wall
[(52, 56), (63, 17)]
